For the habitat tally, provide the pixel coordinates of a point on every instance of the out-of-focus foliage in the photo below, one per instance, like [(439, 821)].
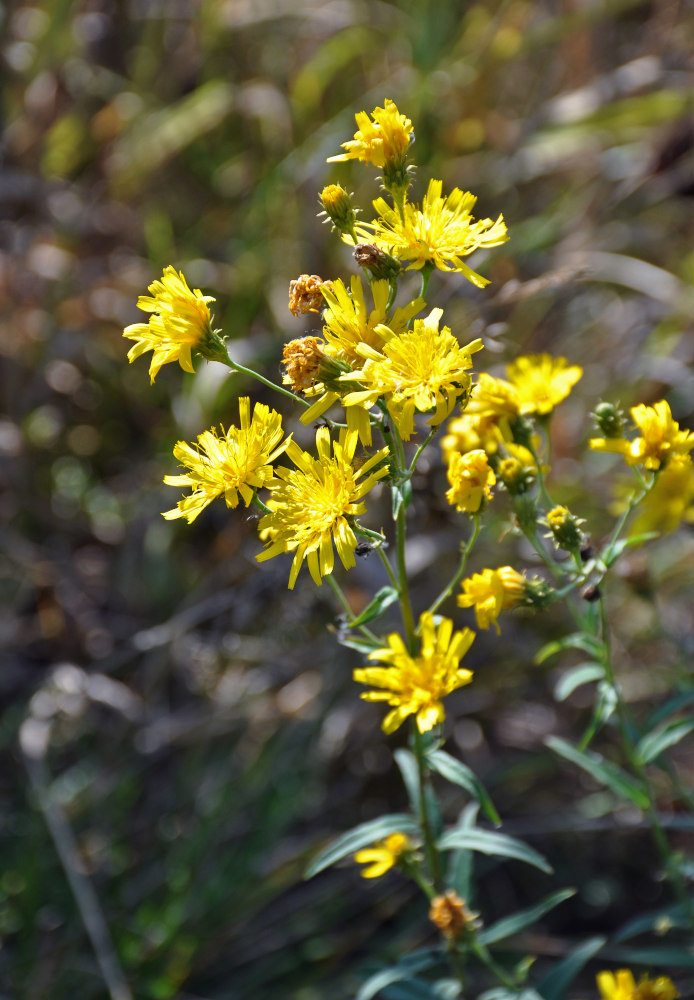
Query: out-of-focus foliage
[(166, 688)]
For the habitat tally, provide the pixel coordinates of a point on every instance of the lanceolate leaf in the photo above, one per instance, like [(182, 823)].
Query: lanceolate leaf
[(582, 673), (459, 774), (653, 743), (519, 921), (663, 955), (556, 983), (383, 599), (361, 836), (577, 640), (662, 919), (496, 844), (404, 970), (407, 763), (603, 771)]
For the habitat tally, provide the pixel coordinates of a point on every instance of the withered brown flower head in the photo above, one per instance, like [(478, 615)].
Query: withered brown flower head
[(302, 359), (305, 294), (450, 914)]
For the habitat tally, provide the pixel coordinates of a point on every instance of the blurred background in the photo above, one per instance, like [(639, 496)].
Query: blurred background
[(171, 762)]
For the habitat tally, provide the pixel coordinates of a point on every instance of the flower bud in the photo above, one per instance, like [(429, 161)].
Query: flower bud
[(338, 207), (609, 419), (381, 264), (516, 477), (564, 528)]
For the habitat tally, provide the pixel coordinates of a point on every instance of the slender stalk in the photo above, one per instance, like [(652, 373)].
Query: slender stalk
[(340, 594), (421, 448), (430, 848), (660, 839), (389, 569), (465, 553), (483, 954), (405, 602), (242, 370)]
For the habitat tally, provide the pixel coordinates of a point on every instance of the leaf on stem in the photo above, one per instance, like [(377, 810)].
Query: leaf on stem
[(382, 600), (362, 836), (494, 844), (460, 774), (556, 982), (519, 921), (582, 673), (577, 640), (604, 772), (658, 740)]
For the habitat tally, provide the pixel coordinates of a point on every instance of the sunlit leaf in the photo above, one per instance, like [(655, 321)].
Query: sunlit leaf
[(519, 921), (361, 836), (495, 844), (460, 774), (383, 599), (582, 673), (655, 742), (603, 771)]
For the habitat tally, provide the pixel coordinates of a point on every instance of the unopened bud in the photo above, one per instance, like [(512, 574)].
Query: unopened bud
[(564, 528), (338, 207), (381, 264), (609, 419), (516, 477)]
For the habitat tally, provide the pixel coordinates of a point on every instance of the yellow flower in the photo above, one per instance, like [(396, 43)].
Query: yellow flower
[(468, 432), (416, 685), (383, 856), (439, 233), (471, 479), (180, 322), (660, 438), (492, 591), (233, 462), (380, 141), (622, 986), (348, 323), (542, 381), (670, 500), (422, 369), (315, 503)]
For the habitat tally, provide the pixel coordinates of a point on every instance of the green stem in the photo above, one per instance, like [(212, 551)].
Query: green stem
[(465, 552), (257, 502), (421, 448), (430, 848), (339, 593), (242, 370), (660, 839), (404, 590), (483, 954), (389, 569)]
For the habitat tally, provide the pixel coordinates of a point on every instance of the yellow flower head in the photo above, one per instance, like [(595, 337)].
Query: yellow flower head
[(416, 685), (492, 591), (180, 321), (232, 462), (671, 499), (337, 206), (468, 432), (382, 139), (311, 508), (440, 233), (621, 985), (660, 438), (348, 323), (542, 381), (471, 479), (383, 856), (422, 369), (305, 294)]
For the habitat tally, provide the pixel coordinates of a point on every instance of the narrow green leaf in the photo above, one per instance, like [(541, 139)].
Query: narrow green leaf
[(657, 921), (614, 551), (364, 646), (603, 711), (415, 989), (503, 993), (664, 955), (671, 707), (495, 844), (460, 863), (653, 743), (582, 673), (460, 774), (603, 771), (577, 640), (382, 600), (395, 974), (407, 763), (556, 983), (361, 836), (519, 921)]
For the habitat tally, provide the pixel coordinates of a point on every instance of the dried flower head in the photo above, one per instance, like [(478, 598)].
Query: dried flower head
[(450, 914), (305, 294)]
